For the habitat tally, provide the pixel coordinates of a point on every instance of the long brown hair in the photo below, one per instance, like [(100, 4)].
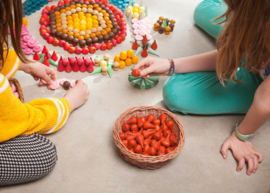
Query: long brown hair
[(6, 21), (246, 34)]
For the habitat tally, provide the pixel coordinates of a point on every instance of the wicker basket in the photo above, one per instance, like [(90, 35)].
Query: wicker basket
[(139, 160), (18, 87)]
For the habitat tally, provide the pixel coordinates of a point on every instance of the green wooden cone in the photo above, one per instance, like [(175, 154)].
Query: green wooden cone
[(125, 10), (139, 50), (154, 80), (130, 16), (147, 84), (132, 78), (151, 51), (98, 70), (52, 62), (109, 65), (165, 23), (42, 58), (142, 86), (141, 16), (101, 59), (138, 84)]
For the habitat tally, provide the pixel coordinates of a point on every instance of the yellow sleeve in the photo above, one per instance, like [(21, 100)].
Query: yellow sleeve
[(11, 65), (42, 116)]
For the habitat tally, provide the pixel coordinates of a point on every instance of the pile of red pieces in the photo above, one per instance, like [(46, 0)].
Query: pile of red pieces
[(149, 136), (47, 56), (46, 34), (75, 65)]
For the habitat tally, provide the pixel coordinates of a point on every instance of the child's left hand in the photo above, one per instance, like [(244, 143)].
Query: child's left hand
[(243, 152), (39, 71)]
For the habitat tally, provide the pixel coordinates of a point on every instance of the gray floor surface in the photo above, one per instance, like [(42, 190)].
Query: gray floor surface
[(89, 159)]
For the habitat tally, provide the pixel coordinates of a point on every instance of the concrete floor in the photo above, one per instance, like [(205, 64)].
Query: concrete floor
[(88, 158)]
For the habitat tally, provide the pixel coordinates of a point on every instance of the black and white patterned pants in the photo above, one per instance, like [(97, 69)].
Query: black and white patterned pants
[(25, 159)]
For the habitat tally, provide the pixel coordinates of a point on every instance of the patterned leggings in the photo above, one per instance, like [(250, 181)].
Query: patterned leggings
[(25, 159)]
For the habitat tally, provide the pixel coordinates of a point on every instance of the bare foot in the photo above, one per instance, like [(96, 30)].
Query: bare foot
[(78, 95)]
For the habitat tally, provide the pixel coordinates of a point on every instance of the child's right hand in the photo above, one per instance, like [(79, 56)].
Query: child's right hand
[(153, 66), (78, 95)]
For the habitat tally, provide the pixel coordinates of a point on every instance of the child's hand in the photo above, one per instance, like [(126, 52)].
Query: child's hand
[(78, 95), (40, 71), (243, 152), (153, 66)]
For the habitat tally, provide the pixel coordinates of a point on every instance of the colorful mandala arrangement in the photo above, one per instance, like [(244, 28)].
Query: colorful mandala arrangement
[(83, 26)]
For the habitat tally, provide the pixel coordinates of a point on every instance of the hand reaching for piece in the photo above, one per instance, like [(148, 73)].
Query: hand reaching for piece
[(40, 71), (243, 152), (78, 95), (153, 66)]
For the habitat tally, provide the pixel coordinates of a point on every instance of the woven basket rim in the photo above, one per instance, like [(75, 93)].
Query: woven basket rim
[(140, 157), (18, 87)]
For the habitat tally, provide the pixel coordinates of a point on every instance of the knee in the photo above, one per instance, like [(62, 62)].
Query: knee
[(34, 151), (49, 154), (205, 12), (197, 16)]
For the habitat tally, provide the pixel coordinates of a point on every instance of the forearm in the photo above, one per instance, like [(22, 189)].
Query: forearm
[(259, 111), (197, 63)]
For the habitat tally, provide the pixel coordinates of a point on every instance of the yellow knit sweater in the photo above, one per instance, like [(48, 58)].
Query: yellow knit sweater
[(41, 116)]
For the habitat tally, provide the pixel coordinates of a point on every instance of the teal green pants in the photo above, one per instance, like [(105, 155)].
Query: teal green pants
[(201, 92)]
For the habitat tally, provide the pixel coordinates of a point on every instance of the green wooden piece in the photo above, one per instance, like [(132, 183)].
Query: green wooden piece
[(98, 70), (52, 62)]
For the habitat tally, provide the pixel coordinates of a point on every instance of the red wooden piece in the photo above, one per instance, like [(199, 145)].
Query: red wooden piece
[(72, 61), (47, 55), (119, 40), (36, 57), (135, 45), (85, 50), (103, 47), (45, 50), (67, 64), (90, 68), (123, 36), (144, 39), (81, 64), (45, 17), (109, 45), (54, 56), (66, 46), (92, 49), (45, 62), (144, 53), (55, 42), (53, 7), (60, 67), (71, 49), (74, 64), (50, 39), (154, 45), (78, 50), (46, 35)]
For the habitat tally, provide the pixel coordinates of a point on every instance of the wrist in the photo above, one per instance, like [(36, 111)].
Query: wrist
[(172, 67), (71, 105), (241, 136), (25, 67)]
